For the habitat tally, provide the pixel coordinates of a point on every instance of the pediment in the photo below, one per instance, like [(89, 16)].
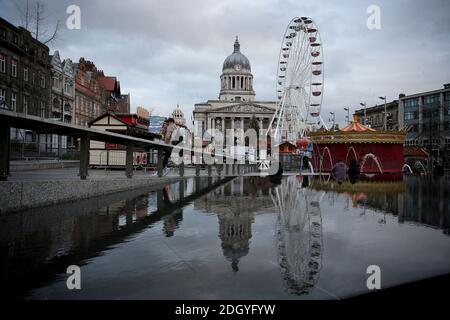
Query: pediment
[(245, 108)]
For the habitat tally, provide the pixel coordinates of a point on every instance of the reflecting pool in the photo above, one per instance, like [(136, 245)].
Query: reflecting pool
[(240, 238)]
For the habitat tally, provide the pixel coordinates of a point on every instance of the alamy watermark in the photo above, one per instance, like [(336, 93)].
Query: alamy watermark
[(73, 21), (74, 280), (373, 21), (374, 280)]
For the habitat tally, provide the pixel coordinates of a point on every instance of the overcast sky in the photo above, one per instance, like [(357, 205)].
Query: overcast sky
[(171, 52)]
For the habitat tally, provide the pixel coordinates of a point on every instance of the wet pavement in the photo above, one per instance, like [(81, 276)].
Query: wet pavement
[(237, 238)]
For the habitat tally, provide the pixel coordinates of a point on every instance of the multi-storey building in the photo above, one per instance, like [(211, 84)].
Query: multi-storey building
[(89, 94), (115, 101), (427, 116), (375, 116), (62, 97), (24, 76)]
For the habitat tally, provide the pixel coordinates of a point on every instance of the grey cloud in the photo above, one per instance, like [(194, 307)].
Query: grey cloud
[(169, 52)]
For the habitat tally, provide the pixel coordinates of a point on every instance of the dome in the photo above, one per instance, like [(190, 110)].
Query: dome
[(178, 116), (236, 58)]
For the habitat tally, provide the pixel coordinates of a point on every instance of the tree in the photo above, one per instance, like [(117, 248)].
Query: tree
[(35, 21)]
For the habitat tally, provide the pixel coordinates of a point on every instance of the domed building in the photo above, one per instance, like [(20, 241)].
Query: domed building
[(236, 79), (178, 116), (236, 103)]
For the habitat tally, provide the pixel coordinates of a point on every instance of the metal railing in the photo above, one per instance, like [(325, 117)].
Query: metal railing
[(33, 150)]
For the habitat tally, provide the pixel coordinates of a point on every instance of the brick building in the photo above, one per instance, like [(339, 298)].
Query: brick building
[(89, 94), (25, 73)]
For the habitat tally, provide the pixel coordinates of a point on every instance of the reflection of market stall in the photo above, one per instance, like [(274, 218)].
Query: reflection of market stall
[(375, 151), (406, 197)]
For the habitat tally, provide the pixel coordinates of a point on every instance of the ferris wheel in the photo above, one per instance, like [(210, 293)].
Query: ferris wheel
[(300, 76)]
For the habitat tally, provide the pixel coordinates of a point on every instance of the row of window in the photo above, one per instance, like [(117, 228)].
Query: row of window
[(86, 105), (22, 103), (57, 83), (14, 70), (430, 99)]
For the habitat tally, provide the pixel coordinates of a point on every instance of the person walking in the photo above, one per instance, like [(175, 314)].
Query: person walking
[(353, 171), (339, 171), (167, 132)]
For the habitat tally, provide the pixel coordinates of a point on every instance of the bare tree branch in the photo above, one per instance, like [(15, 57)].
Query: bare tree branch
[(55, 33)]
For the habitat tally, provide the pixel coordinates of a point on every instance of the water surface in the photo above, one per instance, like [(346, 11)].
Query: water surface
[(244, 238)]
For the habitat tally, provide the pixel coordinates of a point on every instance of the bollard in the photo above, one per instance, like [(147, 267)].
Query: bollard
[(181, 168), (160, 162)]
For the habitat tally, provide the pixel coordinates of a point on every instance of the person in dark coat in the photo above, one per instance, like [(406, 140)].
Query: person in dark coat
[(353, 171), (339, 171)]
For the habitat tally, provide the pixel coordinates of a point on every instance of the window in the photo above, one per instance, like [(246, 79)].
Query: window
[(25, 73), (413, 102), (42, 81), (15, 39), (42, 111), (431, 99), (2, 63), (3, 32), (14, 68), (409, 115), (25, 104), (3, 94), (14, 100)]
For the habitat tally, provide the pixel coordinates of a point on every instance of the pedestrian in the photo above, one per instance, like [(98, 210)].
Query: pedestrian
[(339, 171), (305, 163), (353, 171), (168, 133)]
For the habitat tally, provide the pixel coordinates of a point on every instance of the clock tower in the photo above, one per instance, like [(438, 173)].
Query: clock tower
[(236, 81)]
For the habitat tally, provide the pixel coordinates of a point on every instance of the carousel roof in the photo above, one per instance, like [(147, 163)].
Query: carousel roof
[(357, 127)]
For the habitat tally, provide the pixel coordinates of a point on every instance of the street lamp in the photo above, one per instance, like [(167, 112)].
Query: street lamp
[(385, 112), (334, 119), (365, 119), (348, 114)]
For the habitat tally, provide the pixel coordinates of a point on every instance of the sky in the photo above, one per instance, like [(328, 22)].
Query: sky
[(170, 52)]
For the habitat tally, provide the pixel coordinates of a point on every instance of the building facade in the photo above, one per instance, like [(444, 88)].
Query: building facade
[(236, 104), (89, 94), (375, 116), (62, 97), (427, 117), (25, 73)]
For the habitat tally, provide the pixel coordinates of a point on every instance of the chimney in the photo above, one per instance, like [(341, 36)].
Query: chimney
[(446, 85)]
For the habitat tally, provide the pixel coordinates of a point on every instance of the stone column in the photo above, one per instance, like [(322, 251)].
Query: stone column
[(84, 157), (129, 161)]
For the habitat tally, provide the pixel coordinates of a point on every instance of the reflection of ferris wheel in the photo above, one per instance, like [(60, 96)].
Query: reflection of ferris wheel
[(299, 80), (299, 235)]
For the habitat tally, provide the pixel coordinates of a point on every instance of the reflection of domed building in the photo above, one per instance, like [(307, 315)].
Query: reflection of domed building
[(178, 116), (236, 203), (235, 230)]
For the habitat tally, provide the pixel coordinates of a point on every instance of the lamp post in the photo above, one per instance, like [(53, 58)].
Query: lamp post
[(365, 118), (334, 119), (385, 112), (348, 114)]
